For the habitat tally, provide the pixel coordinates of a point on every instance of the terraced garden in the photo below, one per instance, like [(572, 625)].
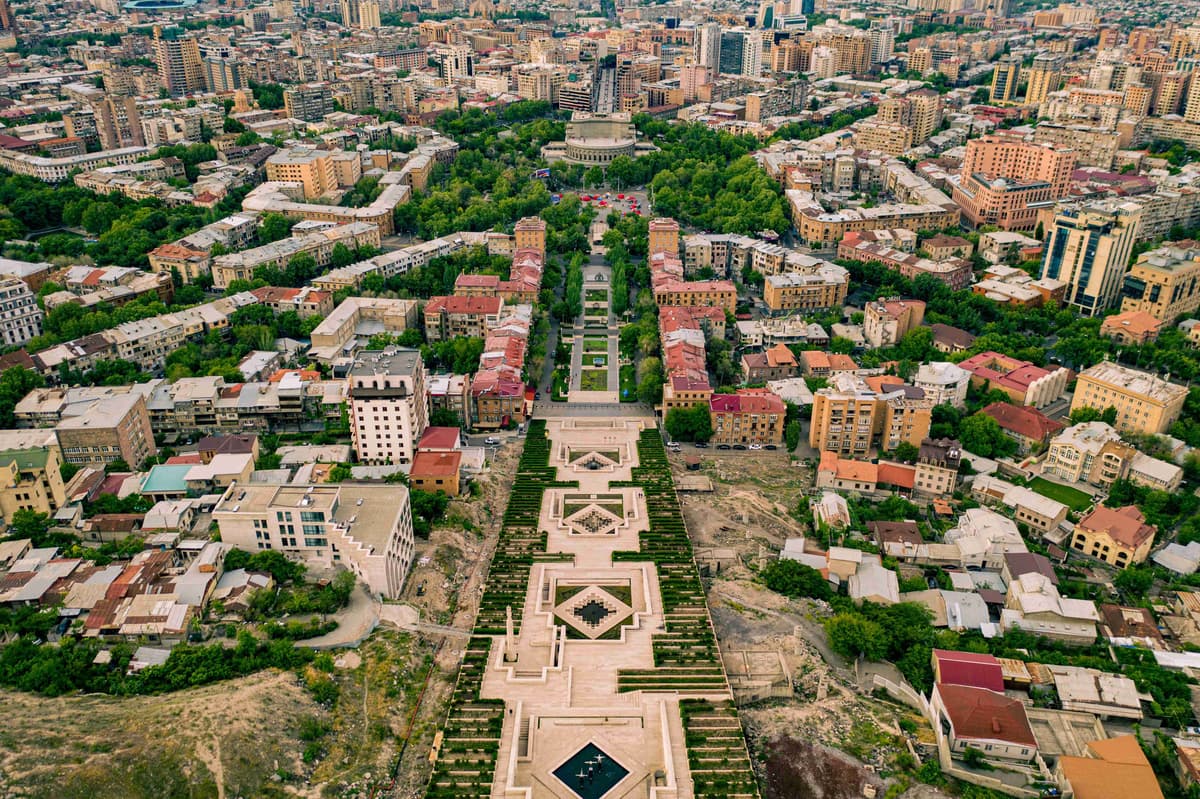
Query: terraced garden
[(717, 755)]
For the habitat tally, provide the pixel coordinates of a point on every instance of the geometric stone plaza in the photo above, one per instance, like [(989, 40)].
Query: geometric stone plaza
[(593, 671)]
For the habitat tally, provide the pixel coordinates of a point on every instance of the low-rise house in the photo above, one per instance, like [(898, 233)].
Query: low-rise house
[(1028, 426), (1101, 693), (1032, 509), (1019, 563), (1093, 452), (946, 383), (983, 720), (1131, 327), (984, 537), (871, 582), (436, 471), (1179, 558), (776, 363), (897, 539), (971, 669), (1125, 626), (1118, 536), (956, 610), (1034, 605), (1114, 767), (936, 472), (831, 509)]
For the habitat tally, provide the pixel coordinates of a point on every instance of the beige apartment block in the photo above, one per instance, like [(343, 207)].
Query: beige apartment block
[(116, 428), (1145, 403)]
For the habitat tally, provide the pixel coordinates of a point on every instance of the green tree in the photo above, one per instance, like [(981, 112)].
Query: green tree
[(689, 424), (791, 435), (851, 635), (15, 383), (273, 228), (982, 435), (794, 579), (905, 452)]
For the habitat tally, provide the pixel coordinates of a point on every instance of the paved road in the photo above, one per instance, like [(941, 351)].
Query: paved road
[(552, 410)]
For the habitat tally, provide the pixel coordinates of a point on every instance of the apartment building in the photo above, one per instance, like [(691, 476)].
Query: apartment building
[(1024, 382), (1089, 249), (1164, 282), (886, 321), (937, 467), (29, 472), (453, 317), (943, 382), (1145, 403), (866, 246), (318, 244), (813, 290), (1117, 536), (310, 102), (305, 301), (1091, 452), (364, 528), (179, 66), (1004, 179), (751, 416), (312, 169), (850, 416), (20, 316), (819, 227), (116, 428), (389, 408)]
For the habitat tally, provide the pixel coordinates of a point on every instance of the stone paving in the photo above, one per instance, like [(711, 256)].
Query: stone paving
[(563, 711)]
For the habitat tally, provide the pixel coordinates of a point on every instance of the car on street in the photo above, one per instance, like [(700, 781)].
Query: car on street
[(756, 446), (701, 445), (491, 441)]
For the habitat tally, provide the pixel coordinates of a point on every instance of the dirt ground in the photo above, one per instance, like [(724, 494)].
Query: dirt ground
[(829, 739), (240, 738), (233, 739)]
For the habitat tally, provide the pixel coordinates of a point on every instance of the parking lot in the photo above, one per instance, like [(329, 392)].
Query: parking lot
[(635, 201)]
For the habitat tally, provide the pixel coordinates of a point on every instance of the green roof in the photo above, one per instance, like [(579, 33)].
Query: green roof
[(27, 459)]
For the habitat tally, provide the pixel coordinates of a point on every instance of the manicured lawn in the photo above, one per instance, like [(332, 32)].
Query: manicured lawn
[(594, 380), (595, 345), (595, 295), (1073, 498)]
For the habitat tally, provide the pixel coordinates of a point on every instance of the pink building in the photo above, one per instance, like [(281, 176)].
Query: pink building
[(1005, 178)]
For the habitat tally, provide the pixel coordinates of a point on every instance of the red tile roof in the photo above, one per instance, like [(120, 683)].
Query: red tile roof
[(1124, 525), (1023, 420), (970, 669), (443, 438), (435, 464), (981, 715), (458, 304)]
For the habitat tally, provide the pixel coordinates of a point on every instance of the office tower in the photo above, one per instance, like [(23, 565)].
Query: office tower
[(1004, 81), (765, 19), (1045, 76), (808, 7), (710, 47), (1088, 248), (389, 408), (179, 67), (732, 46)]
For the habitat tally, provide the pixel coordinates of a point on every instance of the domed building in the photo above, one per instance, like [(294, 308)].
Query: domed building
[(596, 139)]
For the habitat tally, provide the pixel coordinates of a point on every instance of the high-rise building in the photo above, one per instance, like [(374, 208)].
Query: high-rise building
[(883, 41), (1171, 92), (389, 408), (1088, 248), (849, 416), (733, 42), (1045, 76), (118, 123), (1004, 81), (310, 102), (709, 54), (180, 69), (363, 14), (226, 74), (20, 315), (1191, 109), (919, 111), (808, 7), (920, 59), (752, 53)]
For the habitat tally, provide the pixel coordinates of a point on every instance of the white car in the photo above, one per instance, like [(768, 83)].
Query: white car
[(491, 441), (756, 446)]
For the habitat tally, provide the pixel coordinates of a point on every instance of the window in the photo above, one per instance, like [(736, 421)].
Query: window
[(312, 516)]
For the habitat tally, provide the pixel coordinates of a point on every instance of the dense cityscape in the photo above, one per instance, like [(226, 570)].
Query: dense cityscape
[(582, 400)]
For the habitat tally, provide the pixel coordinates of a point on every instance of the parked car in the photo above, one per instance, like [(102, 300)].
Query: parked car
[(724, 446), (771, 446), (491, 441), (756, 446), (701, 445), (739, 446)]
